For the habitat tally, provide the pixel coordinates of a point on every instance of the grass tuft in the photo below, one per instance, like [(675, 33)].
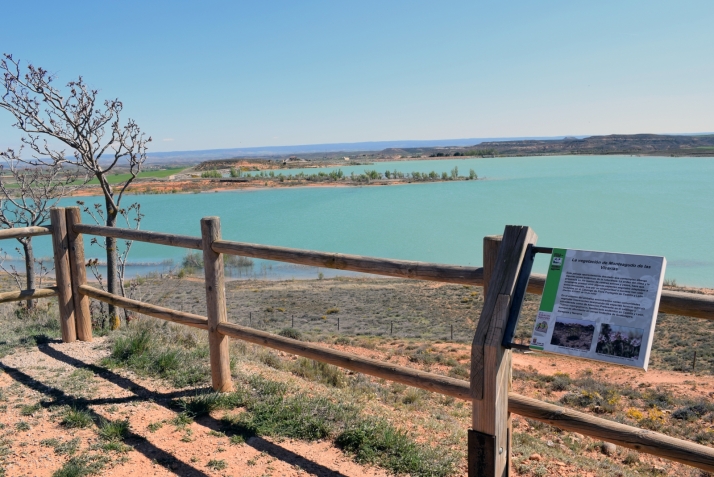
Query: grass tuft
[(203, 404), (290, 333), (319, 372), (29, 410), (22, 426), (147, 351), (81, 466), (114, 430), (378, 442), (217, 464), (76, 418)]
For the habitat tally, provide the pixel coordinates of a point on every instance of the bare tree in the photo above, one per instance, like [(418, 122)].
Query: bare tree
[(52, 118), (26, 196), (132, 216)]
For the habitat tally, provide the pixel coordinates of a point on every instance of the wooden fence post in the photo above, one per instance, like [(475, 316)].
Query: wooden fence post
[(491, 243), (489, 440), (62, 274), (82, 316), (216, 305)]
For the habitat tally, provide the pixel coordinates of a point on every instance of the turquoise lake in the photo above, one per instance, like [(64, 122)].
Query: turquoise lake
[(642, 205)]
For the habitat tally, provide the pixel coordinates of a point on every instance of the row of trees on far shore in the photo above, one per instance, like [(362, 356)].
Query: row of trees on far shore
[(338, 175), (472, 152)]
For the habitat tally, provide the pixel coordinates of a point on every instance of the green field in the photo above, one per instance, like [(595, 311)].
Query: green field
[(118, 178)]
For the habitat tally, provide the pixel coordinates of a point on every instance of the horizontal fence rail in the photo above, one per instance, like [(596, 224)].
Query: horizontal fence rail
[(680, 303), (679, 450), (24, 232), (400, 374), (173, 240), (22, 295), (355, 263), (156, 311)]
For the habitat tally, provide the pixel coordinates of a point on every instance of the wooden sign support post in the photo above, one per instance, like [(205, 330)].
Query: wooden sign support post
[(489, 441)]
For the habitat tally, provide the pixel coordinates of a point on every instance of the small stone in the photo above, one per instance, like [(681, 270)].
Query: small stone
[(609, 448), (577, 435), (560, 464), (536, 457), (550, 444)]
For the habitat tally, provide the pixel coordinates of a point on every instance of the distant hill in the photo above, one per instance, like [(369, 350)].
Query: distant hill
[(637, 144), (188, 157), (646, 144)]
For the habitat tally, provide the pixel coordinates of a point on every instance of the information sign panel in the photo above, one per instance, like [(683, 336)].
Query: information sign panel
[(600, 305)]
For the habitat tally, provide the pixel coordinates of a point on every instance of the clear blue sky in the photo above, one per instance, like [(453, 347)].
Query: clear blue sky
[(204, 75)]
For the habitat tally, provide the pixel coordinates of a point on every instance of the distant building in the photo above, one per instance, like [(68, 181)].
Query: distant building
[(346, 158)]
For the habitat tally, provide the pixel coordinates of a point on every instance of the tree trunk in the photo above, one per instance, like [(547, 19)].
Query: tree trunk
[(111, 244), (29, 267)]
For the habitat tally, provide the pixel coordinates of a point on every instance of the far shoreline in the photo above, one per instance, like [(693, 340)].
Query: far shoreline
[(209, 185)]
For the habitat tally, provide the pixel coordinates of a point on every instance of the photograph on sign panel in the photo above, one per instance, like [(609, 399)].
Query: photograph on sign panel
[(620, 341), (541, 326), (572, 333)]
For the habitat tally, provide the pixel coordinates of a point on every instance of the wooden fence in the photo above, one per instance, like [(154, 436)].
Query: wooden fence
[(489, 388)]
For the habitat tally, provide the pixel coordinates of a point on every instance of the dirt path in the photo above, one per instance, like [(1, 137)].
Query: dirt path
[(60, 373)]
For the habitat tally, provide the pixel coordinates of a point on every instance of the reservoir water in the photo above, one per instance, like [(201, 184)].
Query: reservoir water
[(642, 205)]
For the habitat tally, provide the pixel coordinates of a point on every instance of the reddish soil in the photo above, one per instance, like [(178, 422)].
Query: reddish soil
[(168, 450)]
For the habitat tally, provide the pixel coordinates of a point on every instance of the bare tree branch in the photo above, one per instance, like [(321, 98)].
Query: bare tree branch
[(75, 118), (27, 193)]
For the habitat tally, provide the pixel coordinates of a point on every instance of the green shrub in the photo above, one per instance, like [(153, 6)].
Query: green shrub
[(62, 448), (212, 174), (290, 333), (343, 340), (76, 418), (182, 420), (192, 261), (658, 398), (236, 261), (202, 404), (271, 359), (145, 351), (22, 426), (426, 357), (136, 344), (29, 409), (459, 371), (318, 371), (692, 412), (631, 458), (413, 396), (297, 417), (81, 466), (378, 442), (561, 382), (114, 430), (216, 464)]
